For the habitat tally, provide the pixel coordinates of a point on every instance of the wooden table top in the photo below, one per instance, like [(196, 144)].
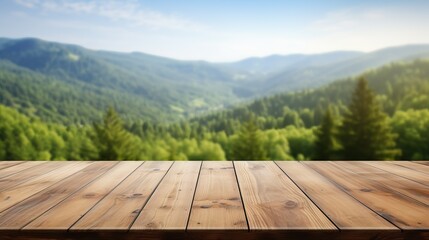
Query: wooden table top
[(214, 200)]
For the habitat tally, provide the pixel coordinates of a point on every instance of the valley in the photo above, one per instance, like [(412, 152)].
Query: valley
[(65, 102), (69, 84)]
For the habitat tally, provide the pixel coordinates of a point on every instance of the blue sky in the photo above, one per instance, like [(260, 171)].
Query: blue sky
[(219, 30)]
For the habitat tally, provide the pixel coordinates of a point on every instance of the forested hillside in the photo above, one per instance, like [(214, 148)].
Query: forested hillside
[(399, 87), (322, 72), (68, 84), (35, 94), (140, 86), (281, 127)]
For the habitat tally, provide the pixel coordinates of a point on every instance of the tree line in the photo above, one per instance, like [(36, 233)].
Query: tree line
[(363, 131), (386, 117)]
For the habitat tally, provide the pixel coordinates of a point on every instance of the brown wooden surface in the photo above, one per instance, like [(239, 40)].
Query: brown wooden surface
[(170, 205), (22, 213), (217, 203), (60, 216), (6, 164), (272, 201), (401, 210), (12, 196), (422, 162), (214, 200), (15, 169), (27, 174), (402, 171), (422, 167), (409, 188), (118, 210), (342, 209)]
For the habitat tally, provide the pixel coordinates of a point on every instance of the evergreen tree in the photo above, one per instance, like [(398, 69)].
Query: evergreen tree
[(248, 144), (365, 133), (326, 144), (112, 140)]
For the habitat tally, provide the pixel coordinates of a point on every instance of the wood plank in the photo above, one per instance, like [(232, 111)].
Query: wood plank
[(408, 173), (12, 170), (26, 175), (413, 166), (341, 208), (68, 199), (387, 180), (6, 164), (22, 191), (217, 203), (170, 204), (273, 201), (118, 210), (66, 213), (22, 213), (422, 162), (399, 209)]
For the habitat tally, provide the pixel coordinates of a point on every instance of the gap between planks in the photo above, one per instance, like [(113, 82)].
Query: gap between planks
[(236, 176), (82, 201), (345, 212), (401, 210)]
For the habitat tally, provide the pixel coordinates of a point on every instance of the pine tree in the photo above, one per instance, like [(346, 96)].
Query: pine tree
[(326, 145), (365, 133), (248, 144), (112, 140)]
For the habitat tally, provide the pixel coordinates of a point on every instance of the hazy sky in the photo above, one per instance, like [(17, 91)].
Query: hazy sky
[(221, 30)]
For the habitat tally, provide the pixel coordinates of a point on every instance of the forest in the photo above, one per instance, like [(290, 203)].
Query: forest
[(379, 115)]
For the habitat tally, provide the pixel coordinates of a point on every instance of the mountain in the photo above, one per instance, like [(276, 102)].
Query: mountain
[(287, 120), (71, 84), (323, 72), (277, 63), (156, 87), (399, 87)]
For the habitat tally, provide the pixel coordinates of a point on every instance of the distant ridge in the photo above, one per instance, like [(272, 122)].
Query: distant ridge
[(68, 83)]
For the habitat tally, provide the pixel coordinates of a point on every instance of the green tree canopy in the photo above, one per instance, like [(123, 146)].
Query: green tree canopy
[(326, 145), (248, 144), (412, 126), (113, 141), (365, 133)]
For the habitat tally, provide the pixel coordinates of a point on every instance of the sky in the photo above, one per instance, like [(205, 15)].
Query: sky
[(221, 30)]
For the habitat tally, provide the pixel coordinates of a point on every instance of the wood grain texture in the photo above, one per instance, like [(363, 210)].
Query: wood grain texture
[(214, 200), (22, 213), (14, 195), (170, 204), (341, 208), (272, 201), (26, 175), (217, 203), (393, 182), (402, 171), (422, 162), (16, 169), (399, 209), (119, 209), (6, 164), (413, 166), (66, 213)]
